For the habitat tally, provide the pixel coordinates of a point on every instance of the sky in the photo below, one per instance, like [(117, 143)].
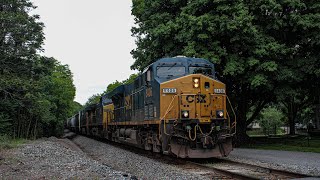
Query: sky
[(92, 37)]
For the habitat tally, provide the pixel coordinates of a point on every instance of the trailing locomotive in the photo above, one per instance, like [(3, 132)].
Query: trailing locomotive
[(176, 106)]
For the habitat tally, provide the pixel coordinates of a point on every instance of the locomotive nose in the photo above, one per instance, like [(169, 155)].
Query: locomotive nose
[(198, 98)]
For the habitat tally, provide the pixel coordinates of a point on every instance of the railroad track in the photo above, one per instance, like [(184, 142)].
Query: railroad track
[(238, 170), (214, 168), (217, 168)]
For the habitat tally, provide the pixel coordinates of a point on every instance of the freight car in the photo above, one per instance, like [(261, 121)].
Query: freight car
[(175, 106)]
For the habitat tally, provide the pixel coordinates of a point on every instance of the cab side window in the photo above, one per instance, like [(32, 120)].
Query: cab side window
[(148, 77)]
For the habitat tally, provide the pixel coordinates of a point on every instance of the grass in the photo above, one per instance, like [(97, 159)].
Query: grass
[(286, 143), (7, 142), (260, 133)]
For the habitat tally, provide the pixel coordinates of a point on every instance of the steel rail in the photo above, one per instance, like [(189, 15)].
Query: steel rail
[(267, 172)]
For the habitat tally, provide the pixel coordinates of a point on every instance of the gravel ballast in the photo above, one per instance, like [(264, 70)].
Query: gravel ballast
[(53, 159), (86, 158), (137, 165)]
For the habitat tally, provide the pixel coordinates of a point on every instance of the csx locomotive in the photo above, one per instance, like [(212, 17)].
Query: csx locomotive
[(175, 106)]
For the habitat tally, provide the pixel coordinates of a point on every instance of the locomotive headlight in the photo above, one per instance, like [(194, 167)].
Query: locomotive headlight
[(220, 114), (185, 114), (196, 82)]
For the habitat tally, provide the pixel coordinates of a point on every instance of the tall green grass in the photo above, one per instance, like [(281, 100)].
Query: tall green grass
[(299, 143), (6, 142)]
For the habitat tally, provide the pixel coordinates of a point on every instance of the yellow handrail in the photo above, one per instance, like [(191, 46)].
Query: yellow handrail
[(163, 118), (235, 117)]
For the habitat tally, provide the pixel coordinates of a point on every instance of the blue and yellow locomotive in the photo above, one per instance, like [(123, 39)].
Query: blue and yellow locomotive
[(175, 106)]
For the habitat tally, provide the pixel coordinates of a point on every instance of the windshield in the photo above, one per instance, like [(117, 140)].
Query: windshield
[(170, 71), (201, 70)]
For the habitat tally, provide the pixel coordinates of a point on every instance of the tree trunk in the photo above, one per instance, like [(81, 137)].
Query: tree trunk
[(292, 125), (35, 129), (28, 129), (318, 116), (292, 114), (241, 135)]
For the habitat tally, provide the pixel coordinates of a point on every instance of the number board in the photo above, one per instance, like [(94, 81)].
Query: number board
[(169, 90), (219, 91)]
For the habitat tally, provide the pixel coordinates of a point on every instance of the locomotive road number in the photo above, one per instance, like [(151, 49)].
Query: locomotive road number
[(169, 90), (219, 91)]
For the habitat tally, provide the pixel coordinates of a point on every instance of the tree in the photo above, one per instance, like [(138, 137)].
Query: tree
[(94, 99), (36, 92), (21, 36), (5, 123), (293, 24), (219, 31), (255, 44), (76, 107), (116, 84), (271, 119), (293, 101), (61, 92)]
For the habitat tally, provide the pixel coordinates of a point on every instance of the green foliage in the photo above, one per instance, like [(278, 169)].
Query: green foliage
[(271, 119), (36, 92), (131, 79), (76, 107), (259, 47), (60, 95), (5, 123), (284, 143), (297, 103), (94, 99), (113, 86), (116, 84), (6, 142), (21, 35)]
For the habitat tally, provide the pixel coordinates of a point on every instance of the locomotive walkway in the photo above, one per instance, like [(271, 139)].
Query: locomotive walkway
[(299, 162)]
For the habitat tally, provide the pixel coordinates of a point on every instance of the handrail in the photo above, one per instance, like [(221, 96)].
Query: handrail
[(167, 111), (234, 124)]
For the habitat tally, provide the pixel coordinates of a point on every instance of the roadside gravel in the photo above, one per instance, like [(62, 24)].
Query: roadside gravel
[(51, 158), (85, 158), (137, 165), (299, 162)]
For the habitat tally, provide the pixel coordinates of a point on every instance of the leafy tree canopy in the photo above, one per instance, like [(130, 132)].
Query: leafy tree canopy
[(259, 47), (36, 92)]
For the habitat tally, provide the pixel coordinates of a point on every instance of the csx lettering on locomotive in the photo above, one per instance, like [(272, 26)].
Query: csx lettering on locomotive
[(201, 98)]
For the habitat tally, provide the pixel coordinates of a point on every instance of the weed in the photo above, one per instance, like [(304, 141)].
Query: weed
[(7, 142)]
